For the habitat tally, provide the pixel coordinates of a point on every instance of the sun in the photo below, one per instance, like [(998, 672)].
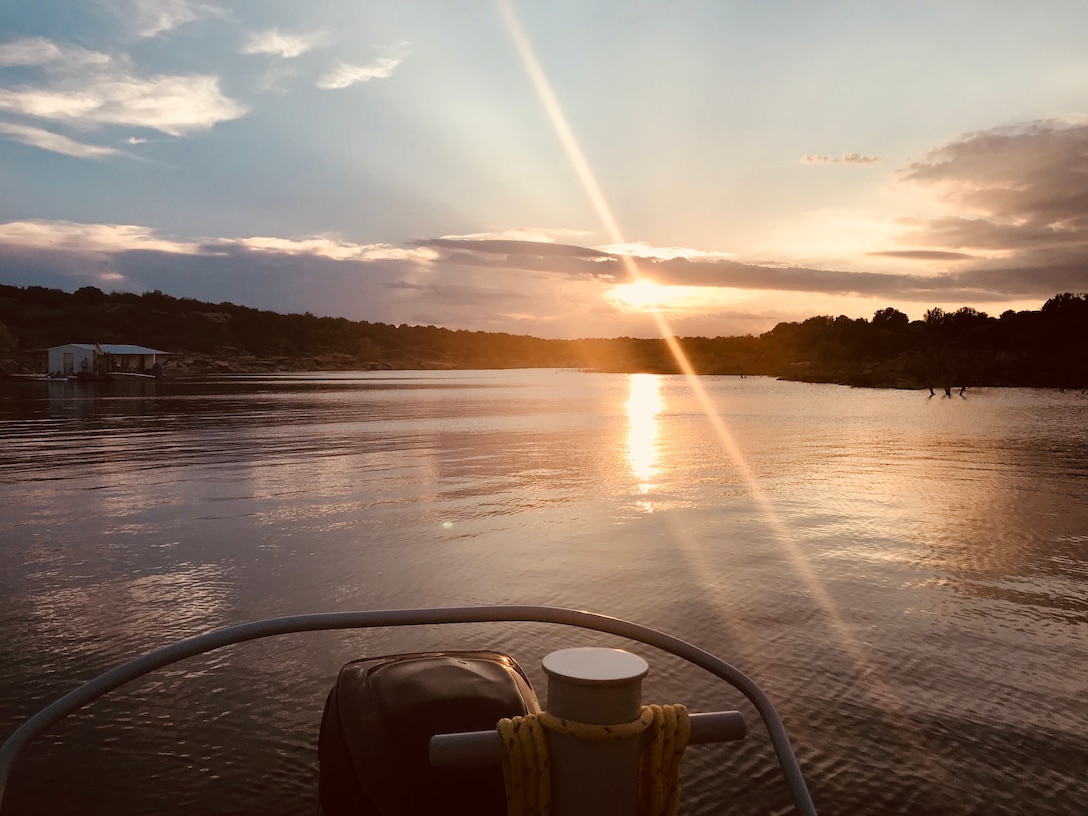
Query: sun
[(642, 294)]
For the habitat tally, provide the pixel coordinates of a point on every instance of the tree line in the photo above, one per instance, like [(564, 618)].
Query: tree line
[(1046, 348)]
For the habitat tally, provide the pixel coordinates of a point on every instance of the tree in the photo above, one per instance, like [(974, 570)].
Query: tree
[(89, 294), (891, 319), (936, 317), (1067, 302)]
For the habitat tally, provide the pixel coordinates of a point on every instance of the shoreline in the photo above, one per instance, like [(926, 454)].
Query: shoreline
[(198, 368)]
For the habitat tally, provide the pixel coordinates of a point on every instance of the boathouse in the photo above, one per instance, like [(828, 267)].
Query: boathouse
[(101, 359)]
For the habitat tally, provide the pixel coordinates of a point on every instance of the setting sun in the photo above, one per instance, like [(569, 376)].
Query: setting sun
[(642, 294)]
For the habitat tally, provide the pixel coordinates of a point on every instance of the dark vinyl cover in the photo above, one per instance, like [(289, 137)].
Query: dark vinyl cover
[(381, 715)]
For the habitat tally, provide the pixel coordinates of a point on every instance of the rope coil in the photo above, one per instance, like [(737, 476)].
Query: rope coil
[(526, 766)]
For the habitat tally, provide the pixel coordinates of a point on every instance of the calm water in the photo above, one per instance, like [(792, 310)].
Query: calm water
[(906, 576)]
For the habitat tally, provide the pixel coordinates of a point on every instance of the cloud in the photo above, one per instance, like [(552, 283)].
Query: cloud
[(573, 263), (541, 234), (39, 51), (149, 18), (54, 142), (550, 288), (328, 247), (86, 89), (713, 271), (175, 105), (70, 236), (507, 247), (321, 274), (31, 51), (849, 158), (276, 43), (996, 283), (345, 75), (1016, 195), (640, 249), (1029, 178), (923, 255), (318, 274), (976, 284)]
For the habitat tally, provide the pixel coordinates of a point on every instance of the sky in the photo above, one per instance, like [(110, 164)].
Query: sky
[(575, 168)]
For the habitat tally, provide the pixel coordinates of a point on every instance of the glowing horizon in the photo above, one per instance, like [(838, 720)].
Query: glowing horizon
[(402, 169)]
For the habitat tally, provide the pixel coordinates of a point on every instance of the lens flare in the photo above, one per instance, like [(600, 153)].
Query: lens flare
[(880, 693), (647, 289)]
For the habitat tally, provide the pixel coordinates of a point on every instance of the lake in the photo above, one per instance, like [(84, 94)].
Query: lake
[(905, 575)]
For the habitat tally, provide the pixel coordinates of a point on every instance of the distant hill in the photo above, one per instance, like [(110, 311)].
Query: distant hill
[(1047, 348)]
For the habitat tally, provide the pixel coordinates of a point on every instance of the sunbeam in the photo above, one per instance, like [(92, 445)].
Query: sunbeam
[(877, 690)]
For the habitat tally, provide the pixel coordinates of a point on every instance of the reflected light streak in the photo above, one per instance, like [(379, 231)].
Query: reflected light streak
[(562, 128), (643, 406), (725, 437)]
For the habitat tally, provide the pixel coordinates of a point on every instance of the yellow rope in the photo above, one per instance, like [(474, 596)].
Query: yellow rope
[(659, 769), (527, 769)]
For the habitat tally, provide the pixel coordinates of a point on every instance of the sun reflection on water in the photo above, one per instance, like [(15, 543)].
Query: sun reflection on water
[(642, 407)]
